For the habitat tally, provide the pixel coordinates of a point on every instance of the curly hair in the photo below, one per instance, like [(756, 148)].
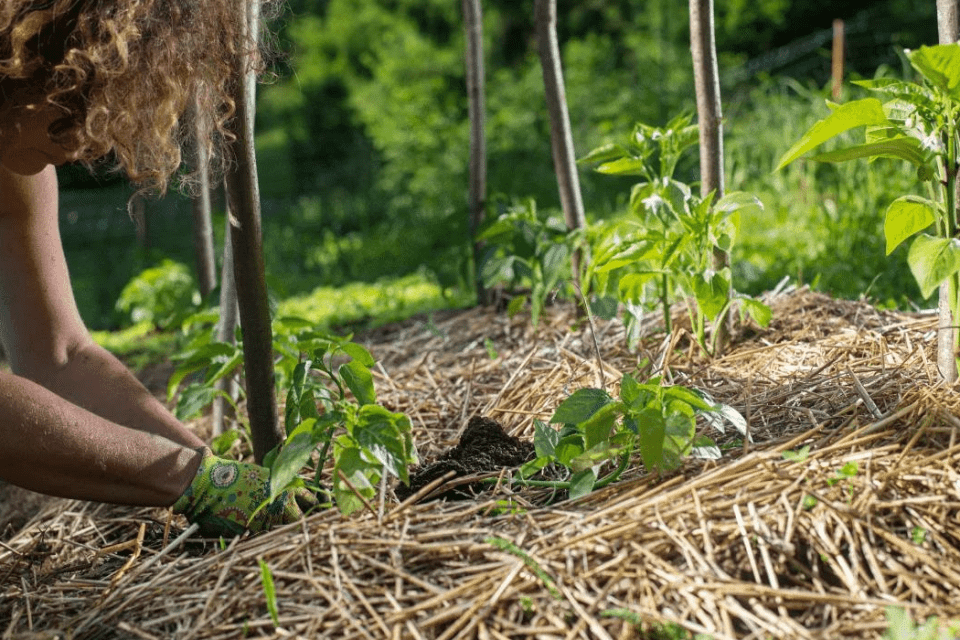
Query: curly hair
[(125, 75)]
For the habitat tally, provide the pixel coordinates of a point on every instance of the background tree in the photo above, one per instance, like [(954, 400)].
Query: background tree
[(246, 235), (561, 136), (948, 28)]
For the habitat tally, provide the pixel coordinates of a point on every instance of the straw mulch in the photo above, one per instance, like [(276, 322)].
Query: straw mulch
[(750, 546)]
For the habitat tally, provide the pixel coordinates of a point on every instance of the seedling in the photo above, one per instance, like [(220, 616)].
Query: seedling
[(331, 411), (658, 421), (667, 242)]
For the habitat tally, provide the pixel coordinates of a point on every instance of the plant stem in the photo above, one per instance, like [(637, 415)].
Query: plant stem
[(665, 303)]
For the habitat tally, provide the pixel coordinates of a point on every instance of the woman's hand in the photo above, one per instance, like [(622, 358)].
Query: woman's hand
[(225, 494)]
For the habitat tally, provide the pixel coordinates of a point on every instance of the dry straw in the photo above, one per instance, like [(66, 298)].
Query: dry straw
[(751, 546)]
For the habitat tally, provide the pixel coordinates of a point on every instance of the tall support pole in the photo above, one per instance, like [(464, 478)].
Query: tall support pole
[(706, 78), (561, 136), (202, 225), (948, 29), (247, 238), (473, 24)]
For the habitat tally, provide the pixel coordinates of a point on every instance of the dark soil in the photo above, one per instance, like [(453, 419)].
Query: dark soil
[(484, 447)]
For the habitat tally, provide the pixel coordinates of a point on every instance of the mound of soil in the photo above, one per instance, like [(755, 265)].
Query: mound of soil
[(484, 447)]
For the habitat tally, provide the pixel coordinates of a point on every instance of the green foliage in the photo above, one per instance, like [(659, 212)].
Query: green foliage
[(162, 295), (269, 591), (526, 252), (813, 227), (659, 421), (902, 627), (330, 409), (917, 124), (668, 241)]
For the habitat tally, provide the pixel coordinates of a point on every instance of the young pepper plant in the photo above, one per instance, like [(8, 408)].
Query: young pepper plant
[(331, 411), (658, 421), (918, 124), (668, 240), (524, 249)]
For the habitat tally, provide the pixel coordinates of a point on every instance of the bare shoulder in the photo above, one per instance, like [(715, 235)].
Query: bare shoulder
[(28, 197)]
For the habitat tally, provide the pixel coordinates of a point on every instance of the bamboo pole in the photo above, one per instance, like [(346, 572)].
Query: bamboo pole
[(561, 136), (246, 235), (948, 29), (473, 24)]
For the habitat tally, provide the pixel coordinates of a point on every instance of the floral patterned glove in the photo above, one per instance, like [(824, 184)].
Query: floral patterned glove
[(225, 493)]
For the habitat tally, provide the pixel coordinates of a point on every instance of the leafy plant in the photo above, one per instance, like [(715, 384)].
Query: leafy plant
[(163, 295), (659, 421), (668, 239), (525, 251), (917, 124), (902, 627), (331, 412)]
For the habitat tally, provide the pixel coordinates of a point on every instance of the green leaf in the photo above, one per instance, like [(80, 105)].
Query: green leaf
[(858, 113), (597, 428), (269, 591), (688, 397), (193, 400), (604, 153), (531, 467), (629, 390), (940, 65), (382, 434), (223, 442), (902, 148), (800, 455), (906, 216), (362, 475), (595, 455), (933, 260), (556, 264), (738, 201), (653, 430), (545, 439), (291, 416), (761, 313), (633, 285), (712, 293), (623, 167), (568, 448), (360, 382), (581, 406), (516, 305), (581, 483), (293, 456), (359, 353)]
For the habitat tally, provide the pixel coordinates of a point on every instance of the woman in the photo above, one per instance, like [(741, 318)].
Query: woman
[(80, 79)]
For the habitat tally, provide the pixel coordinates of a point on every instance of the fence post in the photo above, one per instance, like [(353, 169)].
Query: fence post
[(838, 53)]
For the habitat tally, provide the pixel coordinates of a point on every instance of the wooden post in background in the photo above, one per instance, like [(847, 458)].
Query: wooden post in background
[(838, 54), (473, 60), (561, 136)]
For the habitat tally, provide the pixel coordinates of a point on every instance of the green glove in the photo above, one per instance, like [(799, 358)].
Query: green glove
[(225, 493)]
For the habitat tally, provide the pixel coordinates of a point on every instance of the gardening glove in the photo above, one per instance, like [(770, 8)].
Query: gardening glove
[(225, 493)]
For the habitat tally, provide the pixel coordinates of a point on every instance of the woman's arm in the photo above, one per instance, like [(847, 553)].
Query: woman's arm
[(52, 446), (74, 421), (41, 328)]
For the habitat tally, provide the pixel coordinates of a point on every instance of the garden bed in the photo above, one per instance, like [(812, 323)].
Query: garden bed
[(751, 545)]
